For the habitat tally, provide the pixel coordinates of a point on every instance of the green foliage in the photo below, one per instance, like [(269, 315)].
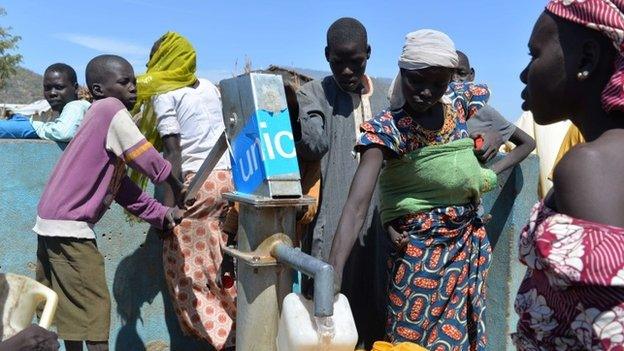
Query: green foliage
[(8, 43)]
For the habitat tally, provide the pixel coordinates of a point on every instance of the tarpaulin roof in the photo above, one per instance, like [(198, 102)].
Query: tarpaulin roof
[(36, 108)]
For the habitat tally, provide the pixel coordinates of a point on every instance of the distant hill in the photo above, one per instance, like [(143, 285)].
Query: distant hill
[(22, 88)]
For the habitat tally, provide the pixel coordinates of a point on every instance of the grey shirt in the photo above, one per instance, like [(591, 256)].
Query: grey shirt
[(328, 134), (489, 119), (328, 128)]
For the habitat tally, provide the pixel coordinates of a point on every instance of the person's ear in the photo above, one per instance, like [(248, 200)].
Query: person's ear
[(96, 90), (327, 53), (76, 87), (368, 51), (471, 76), (589, 59)]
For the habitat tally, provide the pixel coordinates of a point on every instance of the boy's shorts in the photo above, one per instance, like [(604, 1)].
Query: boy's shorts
[(74, 269)]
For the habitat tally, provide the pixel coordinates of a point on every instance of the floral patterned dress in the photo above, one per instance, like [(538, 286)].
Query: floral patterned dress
[(572, 297), (192, 257), (437, 290)]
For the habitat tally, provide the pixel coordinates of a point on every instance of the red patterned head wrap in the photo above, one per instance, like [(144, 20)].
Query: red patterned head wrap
[(606, 16)]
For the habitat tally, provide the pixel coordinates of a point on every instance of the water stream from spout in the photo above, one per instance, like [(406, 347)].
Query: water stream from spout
[(326, 331)]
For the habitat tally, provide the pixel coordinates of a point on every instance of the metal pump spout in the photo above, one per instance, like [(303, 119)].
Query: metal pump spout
[(322, 272), (278, 249)]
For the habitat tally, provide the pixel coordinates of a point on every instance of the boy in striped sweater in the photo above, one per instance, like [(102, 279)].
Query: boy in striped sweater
[(89, 176)]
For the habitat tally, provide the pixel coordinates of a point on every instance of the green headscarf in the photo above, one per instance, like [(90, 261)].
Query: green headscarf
[(171, 67)]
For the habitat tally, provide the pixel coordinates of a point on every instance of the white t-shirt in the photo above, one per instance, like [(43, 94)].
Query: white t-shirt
[(195, 114)]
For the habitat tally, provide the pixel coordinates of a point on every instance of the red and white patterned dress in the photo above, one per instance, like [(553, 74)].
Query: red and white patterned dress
[(192, 257), (572, 297)]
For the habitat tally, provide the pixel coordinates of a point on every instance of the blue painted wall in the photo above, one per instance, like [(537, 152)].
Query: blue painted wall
[(510, 205), (141, 317)]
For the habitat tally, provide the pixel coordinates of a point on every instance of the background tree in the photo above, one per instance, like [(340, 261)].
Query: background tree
[(8, 43)]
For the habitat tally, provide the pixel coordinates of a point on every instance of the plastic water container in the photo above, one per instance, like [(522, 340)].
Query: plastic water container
[(298, 330), (19, 298)]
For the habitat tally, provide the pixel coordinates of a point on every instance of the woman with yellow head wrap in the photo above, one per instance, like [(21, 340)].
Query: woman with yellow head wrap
[(171, 66), (181, 115)]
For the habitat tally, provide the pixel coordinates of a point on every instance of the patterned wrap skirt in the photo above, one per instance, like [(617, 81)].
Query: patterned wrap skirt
[(437, 287)]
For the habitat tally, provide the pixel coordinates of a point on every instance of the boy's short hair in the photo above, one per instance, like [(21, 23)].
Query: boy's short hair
[(346, 30), (99, 67), (63, 68)]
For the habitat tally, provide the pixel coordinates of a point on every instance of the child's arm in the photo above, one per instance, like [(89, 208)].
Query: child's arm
[(524, 146), (63, 128), (496, 130), (140, 204), (491, 141)]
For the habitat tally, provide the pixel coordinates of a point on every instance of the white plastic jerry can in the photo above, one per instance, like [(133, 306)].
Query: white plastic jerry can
[(19, 298), (299, 330)]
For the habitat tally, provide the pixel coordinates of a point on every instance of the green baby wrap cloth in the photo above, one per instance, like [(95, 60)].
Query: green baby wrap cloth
[(433, 176)]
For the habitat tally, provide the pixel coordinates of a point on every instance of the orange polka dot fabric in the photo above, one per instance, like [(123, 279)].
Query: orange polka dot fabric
[(192, 257)]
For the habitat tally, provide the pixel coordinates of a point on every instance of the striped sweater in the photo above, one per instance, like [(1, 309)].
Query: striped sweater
[(91, 174)]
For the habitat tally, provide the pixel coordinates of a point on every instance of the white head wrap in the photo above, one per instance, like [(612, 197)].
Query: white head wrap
[(423, 48)]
